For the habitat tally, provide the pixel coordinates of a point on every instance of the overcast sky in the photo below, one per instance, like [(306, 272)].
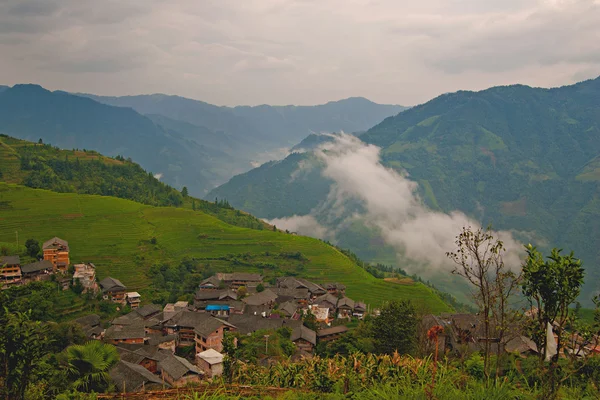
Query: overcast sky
[(297, 51)]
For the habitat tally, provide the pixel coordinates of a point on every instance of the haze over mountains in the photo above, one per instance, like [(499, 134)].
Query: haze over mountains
[(525, 159), (186, 142)]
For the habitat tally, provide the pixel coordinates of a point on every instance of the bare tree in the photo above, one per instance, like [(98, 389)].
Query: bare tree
[(479, 260)]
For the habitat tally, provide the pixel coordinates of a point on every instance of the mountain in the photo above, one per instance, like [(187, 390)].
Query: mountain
[(265, 127), (525, 159), (124, 239), (31, 112)]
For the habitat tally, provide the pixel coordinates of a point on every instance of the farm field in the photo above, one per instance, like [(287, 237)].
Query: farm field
[(115, 234)]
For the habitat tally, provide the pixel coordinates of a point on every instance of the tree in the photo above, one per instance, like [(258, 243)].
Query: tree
[(310, 321), (395, 329), (242, 292), (479, 259), (551, 286), (260, 288), (77, 287), (184, 191), (23, 343), (89, 364), (33, 247)]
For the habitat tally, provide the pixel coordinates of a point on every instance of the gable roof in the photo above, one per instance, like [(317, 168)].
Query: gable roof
[(110, 284), (131, 377), (261, 298), (327, 297), (135, 331), (148, 310), (36, 266), (55, 242), (10, 260), (332, 331), (359, 306), (298, 294), (203, 323), (288, 308), (177, 367), (208, 294), (211, 356), (303, 332), (346, 302), (213, 280), (89, 320)]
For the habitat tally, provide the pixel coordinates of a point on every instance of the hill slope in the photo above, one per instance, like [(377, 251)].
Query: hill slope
[(521, 158), (115, 234), (68, 121), (88, 172)]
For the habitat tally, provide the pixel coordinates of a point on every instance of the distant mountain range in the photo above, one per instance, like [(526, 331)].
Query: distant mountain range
[(185, 142), (525, 159)]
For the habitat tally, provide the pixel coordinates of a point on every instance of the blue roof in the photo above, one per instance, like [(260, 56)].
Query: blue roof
[(217, 307)]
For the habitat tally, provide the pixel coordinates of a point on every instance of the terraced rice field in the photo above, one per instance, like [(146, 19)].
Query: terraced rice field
[(115, 233)]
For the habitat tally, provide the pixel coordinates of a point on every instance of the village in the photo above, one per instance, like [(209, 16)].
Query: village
[(149, 338)]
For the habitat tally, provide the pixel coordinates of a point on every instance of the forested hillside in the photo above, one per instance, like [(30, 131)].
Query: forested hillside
[(39, 165), (522, 158)]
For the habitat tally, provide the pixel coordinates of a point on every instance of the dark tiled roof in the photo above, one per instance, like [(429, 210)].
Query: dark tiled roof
[(55, 241), (177, 367), (110, 284), (332, 331), (346, 302), (303, 332), (89, 320), (213, 280), (298, 294), (261, 298), (208, 294), (326, 298), (36, 266), (252, 323), (10, 260), (148, 310), (129, 377), (289, 308), (358, 306), (520, 344), (114, 332), (156, 338)]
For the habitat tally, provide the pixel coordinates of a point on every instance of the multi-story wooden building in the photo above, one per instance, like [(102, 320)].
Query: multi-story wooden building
[(56, 251), (10, 271), (113, 290)]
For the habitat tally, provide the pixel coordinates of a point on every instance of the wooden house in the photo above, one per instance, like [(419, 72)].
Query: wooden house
[(305, 339), (345, 307), (113, 290), (129, 377), (37, 271), (178, 371), (130, 334), (133, 299), (325, 335), (56, 251), (10, 271)]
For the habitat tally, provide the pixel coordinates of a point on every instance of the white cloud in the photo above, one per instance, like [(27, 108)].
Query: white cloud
[(391, 204)]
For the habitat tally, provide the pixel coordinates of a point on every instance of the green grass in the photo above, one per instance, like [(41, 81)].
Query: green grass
[(114, 234)]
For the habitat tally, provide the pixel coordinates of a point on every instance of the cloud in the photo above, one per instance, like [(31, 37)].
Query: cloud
[(297, 51), (304, 225), (389, 201)]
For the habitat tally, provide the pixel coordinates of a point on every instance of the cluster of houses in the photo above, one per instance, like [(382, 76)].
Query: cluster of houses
[(148, 337), (55, 264)]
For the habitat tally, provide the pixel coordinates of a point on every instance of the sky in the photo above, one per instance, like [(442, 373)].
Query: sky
[(297, 51)]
